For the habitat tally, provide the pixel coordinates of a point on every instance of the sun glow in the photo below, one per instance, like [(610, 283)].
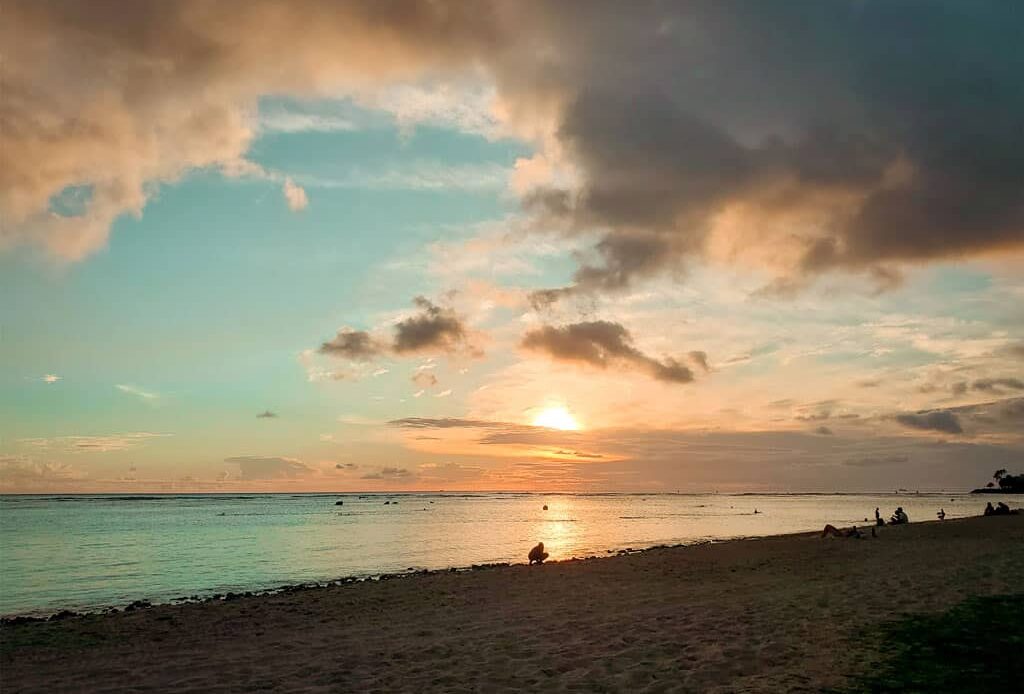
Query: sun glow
[(556, 418)]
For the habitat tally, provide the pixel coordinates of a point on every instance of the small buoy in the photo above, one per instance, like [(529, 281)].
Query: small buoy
[(545, 507), (339, 503)]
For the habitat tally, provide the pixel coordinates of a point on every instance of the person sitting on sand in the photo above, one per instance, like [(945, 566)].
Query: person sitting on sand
[(836, 532), (989, 511), (537, 554), (1002, 509), (899, 517)]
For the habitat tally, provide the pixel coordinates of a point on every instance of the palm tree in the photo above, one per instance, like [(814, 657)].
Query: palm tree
[(999, 474)]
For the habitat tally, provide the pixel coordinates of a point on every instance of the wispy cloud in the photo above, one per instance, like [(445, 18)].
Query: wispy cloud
[(416, 175), (137, 392), (285, 121), (50, 378), (92, 444)]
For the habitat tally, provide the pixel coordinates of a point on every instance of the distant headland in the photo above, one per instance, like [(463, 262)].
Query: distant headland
[(1004, 484)]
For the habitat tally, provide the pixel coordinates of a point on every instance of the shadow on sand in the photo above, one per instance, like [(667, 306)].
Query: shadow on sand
[(978, 646)]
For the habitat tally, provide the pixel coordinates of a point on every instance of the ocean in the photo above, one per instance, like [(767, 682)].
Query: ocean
[(86, 552)]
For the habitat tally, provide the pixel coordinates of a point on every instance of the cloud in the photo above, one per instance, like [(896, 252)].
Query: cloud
[(877, 461), (997, 385), (253, 468), (446, 423), (761, 157), (841, 151), (50, 378), (266, 414), (417, 175), (434, 328), (934, 420), (93, 444), (138, 392), (24, 474), (295, 196), (824, 431), (444, 393), (356, 345), (390, 473), (285, 121), (602, 344), (81, 108), (424, 379), (700, 358)]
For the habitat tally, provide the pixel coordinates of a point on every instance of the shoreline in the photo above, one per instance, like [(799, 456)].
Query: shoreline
[(777, 613), (145, 603), (198, 598)]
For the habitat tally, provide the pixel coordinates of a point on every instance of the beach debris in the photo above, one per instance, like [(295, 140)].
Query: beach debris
[(138, 605), (339, 503), (545, 507)]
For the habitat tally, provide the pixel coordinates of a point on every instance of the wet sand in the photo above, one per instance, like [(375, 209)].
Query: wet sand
[(786, 613)]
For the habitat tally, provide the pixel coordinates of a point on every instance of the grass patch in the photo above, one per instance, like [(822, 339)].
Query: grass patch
[(978, 646)]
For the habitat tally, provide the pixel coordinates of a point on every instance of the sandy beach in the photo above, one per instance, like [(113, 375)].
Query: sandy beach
[(785, 613)]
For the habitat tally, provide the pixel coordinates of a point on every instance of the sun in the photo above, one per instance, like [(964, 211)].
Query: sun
[(556, 418)]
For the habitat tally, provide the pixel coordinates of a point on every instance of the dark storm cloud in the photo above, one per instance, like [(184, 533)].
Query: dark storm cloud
[(357, 345), (935, 420), (602, 344), (895, 126)]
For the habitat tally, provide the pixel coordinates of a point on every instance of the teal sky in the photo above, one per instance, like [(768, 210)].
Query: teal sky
[(326, 268)]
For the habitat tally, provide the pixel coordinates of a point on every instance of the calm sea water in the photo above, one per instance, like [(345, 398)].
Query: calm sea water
[(87, 552)]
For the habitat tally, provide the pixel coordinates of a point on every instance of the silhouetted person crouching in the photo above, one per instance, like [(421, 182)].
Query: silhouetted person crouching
[(537, 554)]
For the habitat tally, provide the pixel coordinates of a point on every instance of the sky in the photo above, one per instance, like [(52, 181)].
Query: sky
[(542, 246)]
